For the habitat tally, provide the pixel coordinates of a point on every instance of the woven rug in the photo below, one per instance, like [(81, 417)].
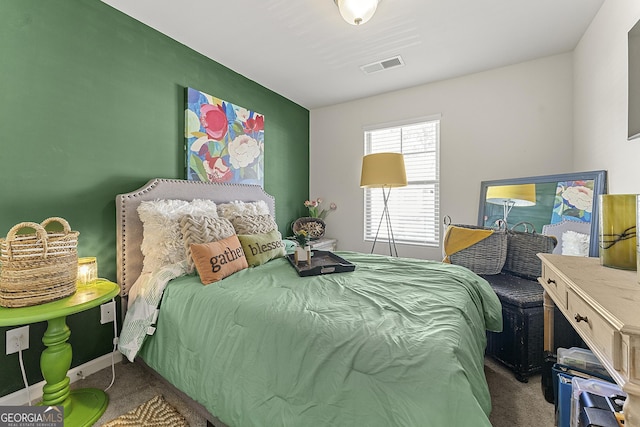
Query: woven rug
[(155, 412)]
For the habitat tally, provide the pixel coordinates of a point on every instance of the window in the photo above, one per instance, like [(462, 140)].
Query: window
[(414, 209)]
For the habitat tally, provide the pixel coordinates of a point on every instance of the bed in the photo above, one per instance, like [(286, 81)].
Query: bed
[(397, 342)]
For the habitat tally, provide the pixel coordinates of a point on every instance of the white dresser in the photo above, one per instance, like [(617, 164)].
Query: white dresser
[(324, 244), (603, 305)]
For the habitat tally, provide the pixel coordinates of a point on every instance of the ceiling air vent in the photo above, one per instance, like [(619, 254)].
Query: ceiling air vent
[(385, 64)]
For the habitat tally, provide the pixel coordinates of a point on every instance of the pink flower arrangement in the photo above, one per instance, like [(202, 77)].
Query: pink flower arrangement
[(314, 208)]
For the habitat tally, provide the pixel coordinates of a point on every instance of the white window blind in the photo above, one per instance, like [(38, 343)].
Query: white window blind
[(414, 209)]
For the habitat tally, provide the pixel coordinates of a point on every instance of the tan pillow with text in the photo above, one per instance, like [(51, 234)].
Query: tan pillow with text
[(217, 260)]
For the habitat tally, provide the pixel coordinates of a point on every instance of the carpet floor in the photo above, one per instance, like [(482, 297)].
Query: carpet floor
[(515, 404)]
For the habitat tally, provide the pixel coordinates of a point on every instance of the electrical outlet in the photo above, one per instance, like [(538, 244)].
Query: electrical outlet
[(107, 312), (17, 339)]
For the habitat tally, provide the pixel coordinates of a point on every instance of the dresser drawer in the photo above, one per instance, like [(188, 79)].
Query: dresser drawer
[(555, 286), (595, 330)]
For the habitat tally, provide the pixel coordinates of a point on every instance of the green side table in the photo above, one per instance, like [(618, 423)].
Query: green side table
[(82, 407)]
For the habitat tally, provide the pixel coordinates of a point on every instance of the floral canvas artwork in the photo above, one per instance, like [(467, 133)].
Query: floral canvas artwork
[(574, 201), (225, 142)]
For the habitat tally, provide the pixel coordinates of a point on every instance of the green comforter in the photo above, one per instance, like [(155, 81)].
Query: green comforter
[(397, 342)]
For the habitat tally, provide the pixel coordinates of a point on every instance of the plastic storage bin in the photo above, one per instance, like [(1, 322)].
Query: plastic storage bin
[(564, 376), (581, 358), (596, 387), (563, 408)]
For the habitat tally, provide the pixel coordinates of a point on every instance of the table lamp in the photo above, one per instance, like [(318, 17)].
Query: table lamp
[(384, 170), (511, 195)]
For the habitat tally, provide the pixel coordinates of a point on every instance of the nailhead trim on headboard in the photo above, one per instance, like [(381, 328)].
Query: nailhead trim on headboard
[(129, 227)]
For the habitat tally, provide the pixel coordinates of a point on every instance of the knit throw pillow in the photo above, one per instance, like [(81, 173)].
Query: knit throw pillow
[(202, 229), (162, 242), (233, 209), (254, 224)]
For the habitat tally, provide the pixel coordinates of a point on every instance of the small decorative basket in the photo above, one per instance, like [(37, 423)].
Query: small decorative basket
[(40, 267), (314, 227), (522, 249), (487, 256)]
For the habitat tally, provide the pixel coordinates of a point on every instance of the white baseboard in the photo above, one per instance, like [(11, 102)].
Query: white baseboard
[(20, 397)]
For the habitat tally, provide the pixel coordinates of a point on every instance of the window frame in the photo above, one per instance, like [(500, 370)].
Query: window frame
[(370, 221)]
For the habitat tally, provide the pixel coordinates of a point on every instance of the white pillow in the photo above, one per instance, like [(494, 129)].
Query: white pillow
[(574, 243), (237, 208), (162, 242)]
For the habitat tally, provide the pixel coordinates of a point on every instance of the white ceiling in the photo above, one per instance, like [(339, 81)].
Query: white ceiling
[(304, 51)]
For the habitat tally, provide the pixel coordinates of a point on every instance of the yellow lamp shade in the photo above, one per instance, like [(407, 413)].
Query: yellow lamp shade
[(383, 170), (514, 195)]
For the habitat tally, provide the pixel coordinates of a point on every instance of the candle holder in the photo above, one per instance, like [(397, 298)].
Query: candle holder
[(618, 243), (87, 271)]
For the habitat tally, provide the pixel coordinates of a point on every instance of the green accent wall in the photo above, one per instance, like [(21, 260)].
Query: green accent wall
[(91, 106)]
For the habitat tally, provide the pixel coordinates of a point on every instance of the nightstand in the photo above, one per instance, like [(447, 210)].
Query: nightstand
[(82, 407), (324, 244)]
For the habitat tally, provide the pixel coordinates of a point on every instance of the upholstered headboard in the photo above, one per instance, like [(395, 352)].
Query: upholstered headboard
[(129, 227), (559, 228)]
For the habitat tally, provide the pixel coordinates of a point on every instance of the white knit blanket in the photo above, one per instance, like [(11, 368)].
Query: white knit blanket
[(144, 298)]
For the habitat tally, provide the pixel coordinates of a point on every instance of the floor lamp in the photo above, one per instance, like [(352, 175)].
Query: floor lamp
[(511, 195), (384, 170)]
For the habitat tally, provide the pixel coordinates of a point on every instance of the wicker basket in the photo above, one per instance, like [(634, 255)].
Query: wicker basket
[(40, 267), (485, 257), (522, 250), (314, 227)]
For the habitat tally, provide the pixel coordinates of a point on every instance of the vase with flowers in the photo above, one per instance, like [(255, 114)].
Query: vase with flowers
[(315, 211), (313, 224), (303, 250)]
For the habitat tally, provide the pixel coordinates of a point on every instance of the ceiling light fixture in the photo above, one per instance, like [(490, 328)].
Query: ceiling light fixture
[(357, 12)]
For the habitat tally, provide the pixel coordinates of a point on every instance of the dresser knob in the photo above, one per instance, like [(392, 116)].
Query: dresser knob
[(581, 318), (550, 281)]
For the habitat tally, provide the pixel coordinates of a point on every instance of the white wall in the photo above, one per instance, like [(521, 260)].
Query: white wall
[(509, 122), (600, 100)]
